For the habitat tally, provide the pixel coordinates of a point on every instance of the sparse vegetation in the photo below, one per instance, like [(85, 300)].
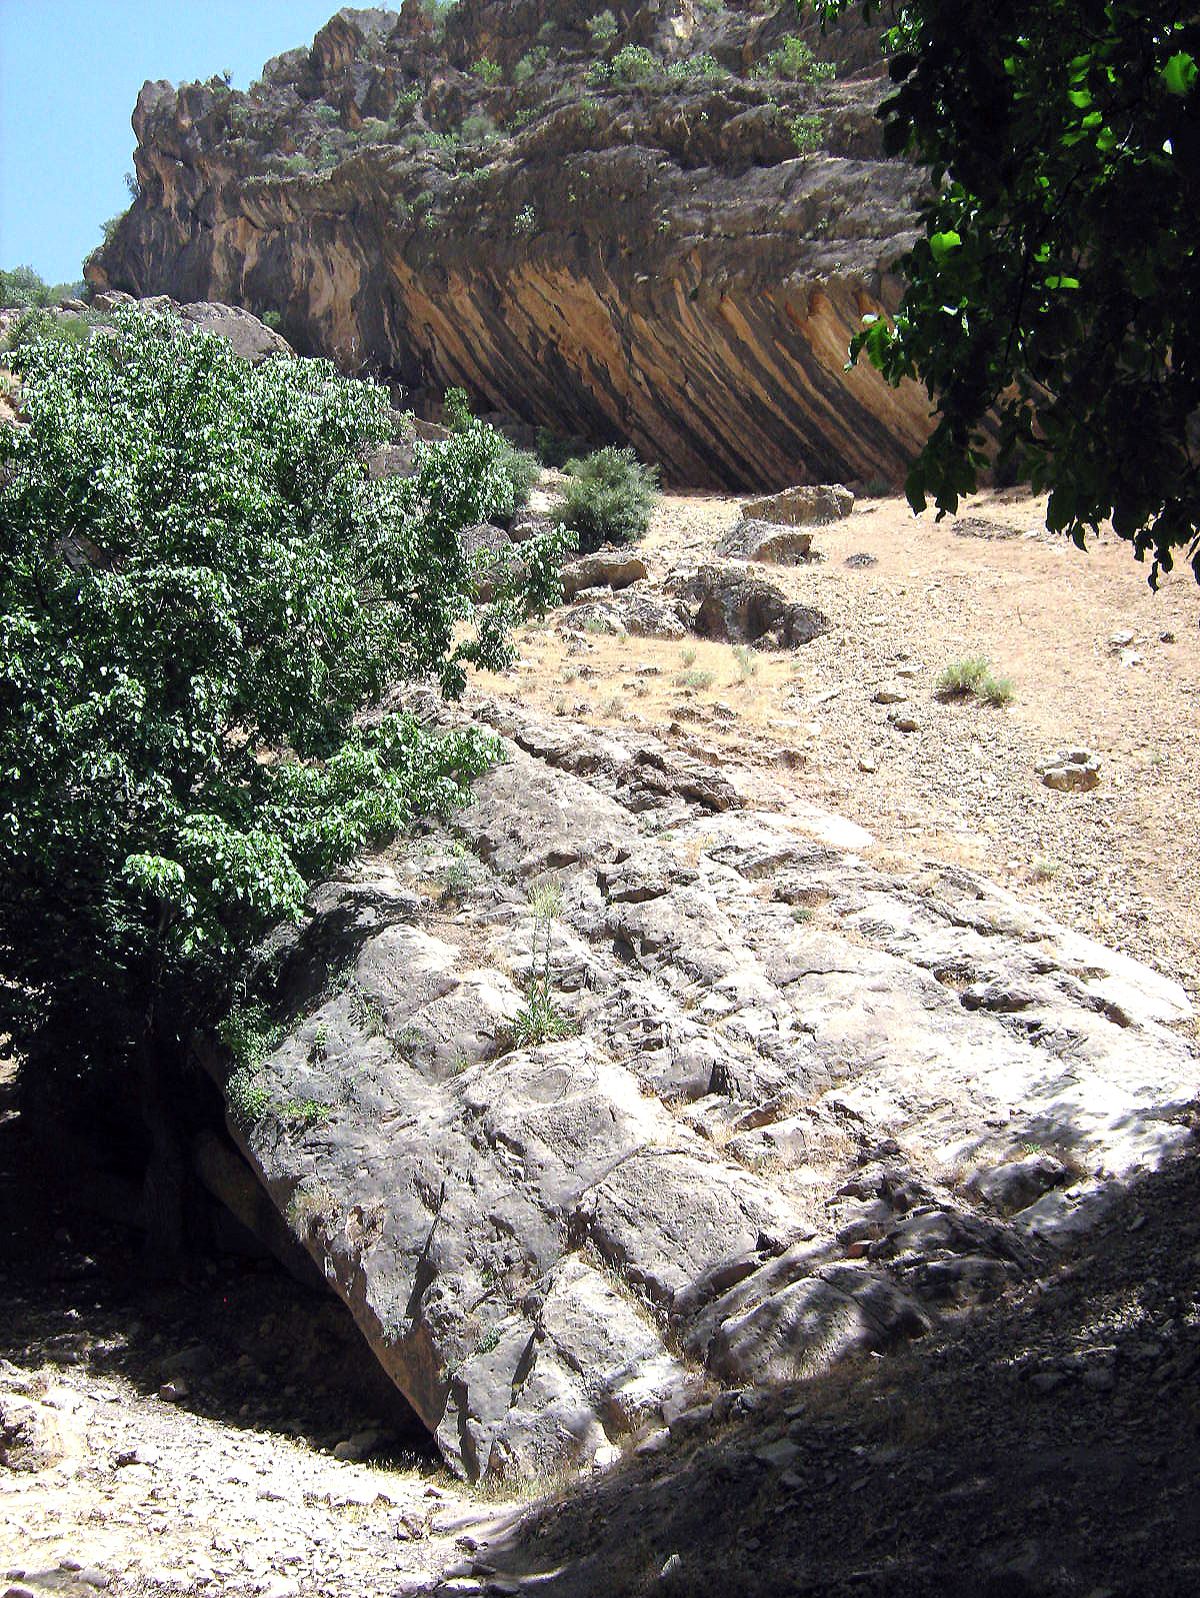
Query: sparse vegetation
[(488, 71), (525, 222), (609, 497), (602, 28), (807, 132), (973, 678), (795, 62)]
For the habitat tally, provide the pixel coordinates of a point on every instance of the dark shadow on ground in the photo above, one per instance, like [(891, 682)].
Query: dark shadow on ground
[(1047, 1446), (251, 1346)]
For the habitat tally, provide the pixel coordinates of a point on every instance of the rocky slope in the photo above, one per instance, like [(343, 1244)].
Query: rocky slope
[(648, 236), (803, 1107)]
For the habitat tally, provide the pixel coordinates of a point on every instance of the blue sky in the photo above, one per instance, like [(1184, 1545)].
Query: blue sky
[(70, 71)]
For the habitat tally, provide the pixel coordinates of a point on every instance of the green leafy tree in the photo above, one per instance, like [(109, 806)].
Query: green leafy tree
[(1055, 286), (201, 590)]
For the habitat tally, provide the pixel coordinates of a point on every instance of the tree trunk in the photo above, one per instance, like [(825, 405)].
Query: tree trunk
[(167, 1175)]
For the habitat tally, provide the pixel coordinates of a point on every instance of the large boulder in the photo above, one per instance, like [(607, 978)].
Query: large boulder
[(766, 541), (604, 568), (727, 603), (737, 1154), (803, 506)]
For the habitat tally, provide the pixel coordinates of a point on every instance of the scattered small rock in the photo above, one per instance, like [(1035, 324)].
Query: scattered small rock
[(890, 694)]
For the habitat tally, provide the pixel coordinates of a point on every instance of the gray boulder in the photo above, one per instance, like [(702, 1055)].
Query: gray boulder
[(552, 1246), (806, 505), (766, 541), (726, 602)]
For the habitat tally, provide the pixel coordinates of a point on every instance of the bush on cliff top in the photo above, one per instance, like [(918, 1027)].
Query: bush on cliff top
[(609, 497), (200, 591)]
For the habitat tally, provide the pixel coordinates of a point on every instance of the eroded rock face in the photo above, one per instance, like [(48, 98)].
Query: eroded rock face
[(766, 1143), (653, 262)]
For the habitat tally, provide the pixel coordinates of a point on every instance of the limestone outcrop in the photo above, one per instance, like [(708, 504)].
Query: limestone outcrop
[(791, 1106), (671, 247)]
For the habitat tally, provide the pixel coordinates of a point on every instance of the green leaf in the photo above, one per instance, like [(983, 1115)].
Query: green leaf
[(1179, 74), (942, 244)]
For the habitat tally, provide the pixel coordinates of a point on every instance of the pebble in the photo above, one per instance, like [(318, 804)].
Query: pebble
[(673, 1566), (19, 1590), (906, 723), (868, 763), (890, 694)]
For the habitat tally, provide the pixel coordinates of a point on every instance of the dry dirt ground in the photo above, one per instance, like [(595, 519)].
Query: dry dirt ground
[(1120, 863), (1047, 1447)]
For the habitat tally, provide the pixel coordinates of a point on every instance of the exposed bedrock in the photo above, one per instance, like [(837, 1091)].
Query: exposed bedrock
[(806, 1107), (652, 263)]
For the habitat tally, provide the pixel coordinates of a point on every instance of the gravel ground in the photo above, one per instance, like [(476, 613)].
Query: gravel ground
[(1119, 863)]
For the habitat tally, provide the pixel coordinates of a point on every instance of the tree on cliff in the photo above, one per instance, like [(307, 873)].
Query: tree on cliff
[(1057, 282), (200, 591)]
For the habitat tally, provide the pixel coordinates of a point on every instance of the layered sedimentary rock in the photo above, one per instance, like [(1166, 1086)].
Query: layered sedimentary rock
[(678, 261), (790, 1106)]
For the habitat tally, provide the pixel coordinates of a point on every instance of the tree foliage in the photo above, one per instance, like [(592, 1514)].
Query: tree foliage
[(201, 590), (609, 496), (1055, 285)]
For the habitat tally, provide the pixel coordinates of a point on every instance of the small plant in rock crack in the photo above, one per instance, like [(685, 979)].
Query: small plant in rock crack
[(458, 875), (539, 1020)]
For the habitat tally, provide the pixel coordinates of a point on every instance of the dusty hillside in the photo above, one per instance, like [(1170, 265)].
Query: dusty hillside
[(644, 225), (1094, 657)]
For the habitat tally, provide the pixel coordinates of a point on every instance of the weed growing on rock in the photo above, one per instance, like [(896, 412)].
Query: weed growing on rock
[(539, 1019), (525, 222), (808, 133)]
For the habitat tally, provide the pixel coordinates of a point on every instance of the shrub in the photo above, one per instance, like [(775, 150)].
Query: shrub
[(525, 222), (633, 63), (522, 470), (602, 27), (609, 497), (795, 62), (201, 590), (696, 69), (457, 414), (973, 678), (37, 325), (327, 114), (478, 129), (490, 71), (808, 133), (531, 62), (22, 287)]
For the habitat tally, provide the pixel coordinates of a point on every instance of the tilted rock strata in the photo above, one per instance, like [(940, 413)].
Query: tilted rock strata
[(747, 1163), (652, 263)]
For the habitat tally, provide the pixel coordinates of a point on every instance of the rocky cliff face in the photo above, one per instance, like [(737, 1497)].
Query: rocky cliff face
[(650, 236)]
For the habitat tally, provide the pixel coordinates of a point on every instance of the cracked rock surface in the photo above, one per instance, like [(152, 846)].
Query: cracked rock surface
[(802, 1107)]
